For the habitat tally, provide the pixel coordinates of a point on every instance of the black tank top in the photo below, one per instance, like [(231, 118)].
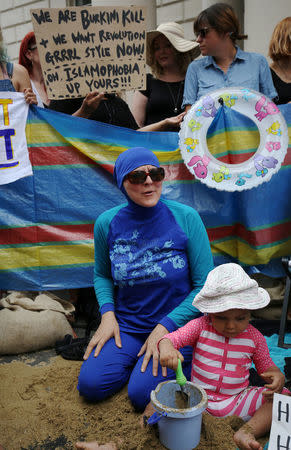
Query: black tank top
[(283, 89)]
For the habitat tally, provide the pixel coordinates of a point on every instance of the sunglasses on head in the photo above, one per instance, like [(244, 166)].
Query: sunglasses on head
[(140, 176), (203, 32)]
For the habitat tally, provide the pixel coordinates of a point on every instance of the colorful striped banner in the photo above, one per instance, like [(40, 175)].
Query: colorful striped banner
[(46, 221)]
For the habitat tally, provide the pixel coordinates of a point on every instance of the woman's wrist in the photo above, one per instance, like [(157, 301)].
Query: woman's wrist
[(83, 111), (108, 314)]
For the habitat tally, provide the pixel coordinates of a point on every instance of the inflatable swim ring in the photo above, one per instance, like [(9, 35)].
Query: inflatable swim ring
[(261, 166)]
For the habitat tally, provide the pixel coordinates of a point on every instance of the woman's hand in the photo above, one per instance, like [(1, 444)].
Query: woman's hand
[(165, 124), (151, 350), (90, 104), (276, 381), (30, 96), (175, 121), (107, 329), (169, 355)]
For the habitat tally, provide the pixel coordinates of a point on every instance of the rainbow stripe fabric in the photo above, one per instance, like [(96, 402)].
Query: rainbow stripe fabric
[(46, 221)]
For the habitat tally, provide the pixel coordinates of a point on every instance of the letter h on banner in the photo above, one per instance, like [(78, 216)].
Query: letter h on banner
[(280, 436)]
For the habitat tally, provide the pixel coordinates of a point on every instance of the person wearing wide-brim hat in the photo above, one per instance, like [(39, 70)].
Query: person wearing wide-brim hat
[(175, 34), (224, 347), (168, 54), (227, 287)]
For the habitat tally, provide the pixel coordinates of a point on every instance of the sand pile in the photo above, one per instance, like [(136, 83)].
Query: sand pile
[(41, 409)]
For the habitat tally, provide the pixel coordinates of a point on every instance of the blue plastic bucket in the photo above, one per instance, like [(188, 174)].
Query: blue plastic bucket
[(179, 429)]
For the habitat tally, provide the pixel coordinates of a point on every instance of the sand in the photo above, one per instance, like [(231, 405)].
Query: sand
[(41, 409)]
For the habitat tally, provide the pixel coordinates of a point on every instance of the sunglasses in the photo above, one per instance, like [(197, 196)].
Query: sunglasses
[(203, 32), (140, 176)]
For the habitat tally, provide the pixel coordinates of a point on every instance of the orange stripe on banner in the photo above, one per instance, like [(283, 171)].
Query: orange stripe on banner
[(69, 155), (46, 233), (254, 238), (58, 155), (236, 159)]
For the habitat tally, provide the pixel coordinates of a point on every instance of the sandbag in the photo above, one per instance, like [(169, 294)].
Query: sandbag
[(32, 322)]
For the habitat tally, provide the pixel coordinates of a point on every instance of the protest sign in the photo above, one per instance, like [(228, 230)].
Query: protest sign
[(280, 437), (85, 49), (14, 158)]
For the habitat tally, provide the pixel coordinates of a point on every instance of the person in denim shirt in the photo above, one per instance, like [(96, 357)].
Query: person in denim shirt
[(225, 64)]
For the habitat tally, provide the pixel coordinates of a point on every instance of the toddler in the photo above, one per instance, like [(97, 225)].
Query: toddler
[(224, 347)]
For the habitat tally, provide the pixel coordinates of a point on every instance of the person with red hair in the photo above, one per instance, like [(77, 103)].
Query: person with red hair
[(29, 58), (95, 106)]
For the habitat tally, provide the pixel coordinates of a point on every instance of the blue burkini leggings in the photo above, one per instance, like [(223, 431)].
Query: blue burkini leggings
[(114, 367)]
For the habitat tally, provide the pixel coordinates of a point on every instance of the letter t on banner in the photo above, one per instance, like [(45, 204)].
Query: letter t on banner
[(280, 437), (14, 157)]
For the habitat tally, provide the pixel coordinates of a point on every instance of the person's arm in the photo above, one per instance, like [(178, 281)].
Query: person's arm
[(164, 125), (169, 355), (170, 344), (103, 282), (266, 81), (200, 264), (138, 108), (275, 380), (104, 290), (90, 104), (265, 366), (21, 83), (191, 87)]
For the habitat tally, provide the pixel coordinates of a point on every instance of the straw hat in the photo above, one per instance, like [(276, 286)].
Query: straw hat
[(229, 287), (175, 33)]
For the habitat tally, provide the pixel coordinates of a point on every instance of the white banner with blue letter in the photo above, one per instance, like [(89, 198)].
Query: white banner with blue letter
[(280, 436), (14, 158)]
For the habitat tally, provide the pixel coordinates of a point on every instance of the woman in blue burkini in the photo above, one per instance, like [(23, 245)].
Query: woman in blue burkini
[(224, 64), (152, 257)]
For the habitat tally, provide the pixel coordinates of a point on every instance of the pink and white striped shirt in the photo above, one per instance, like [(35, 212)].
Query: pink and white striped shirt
[(221, 365)]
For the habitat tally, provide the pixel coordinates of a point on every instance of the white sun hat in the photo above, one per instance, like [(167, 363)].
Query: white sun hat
[(228, 286), (175, 33)]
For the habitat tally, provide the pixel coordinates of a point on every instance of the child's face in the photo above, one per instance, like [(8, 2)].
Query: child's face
[(230, 323)]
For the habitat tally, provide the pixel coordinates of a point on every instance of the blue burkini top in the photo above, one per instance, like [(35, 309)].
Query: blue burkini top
[(150, 263)]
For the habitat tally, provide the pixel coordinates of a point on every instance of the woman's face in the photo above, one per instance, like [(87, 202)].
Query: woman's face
[(210, 41), (32, 53), (146, 194), (164, 52)]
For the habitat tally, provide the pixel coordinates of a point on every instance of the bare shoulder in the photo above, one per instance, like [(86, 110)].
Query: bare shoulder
[(20, 78), (18, 69)]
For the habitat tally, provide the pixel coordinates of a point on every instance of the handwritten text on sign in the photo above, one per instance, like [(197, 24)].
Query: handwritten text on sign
[(14, 159), (280, 437), (97, 48)]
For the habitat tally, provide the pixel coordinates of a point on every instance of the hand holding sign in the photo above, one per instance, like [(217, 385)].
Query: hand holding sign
[(90, 104)]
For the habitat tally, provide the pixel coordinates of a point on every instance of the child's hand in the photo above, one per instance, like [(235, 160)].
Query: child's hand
[(169, 355), (275, 379)]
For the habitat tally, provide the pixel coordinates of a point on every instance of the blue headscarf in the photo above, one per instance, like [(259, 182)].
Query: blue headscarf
[(131, 159)]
